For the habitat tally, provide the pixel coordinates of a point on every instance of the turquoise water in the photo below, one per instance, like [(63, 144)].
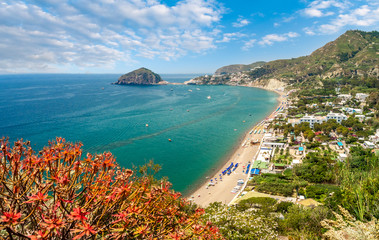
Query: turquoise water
[(107, 117)]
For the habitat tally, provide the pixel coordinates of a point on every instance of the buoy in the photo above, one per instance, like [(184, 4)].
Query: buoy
[(169, 140)]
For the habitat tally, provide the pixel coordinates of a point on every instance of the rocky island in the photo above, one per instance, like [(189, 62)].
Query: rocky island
[(141, 76)]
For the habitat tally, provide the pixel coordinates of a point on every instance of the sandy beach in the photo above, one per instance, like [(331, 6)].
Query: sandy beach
[(219, 189)]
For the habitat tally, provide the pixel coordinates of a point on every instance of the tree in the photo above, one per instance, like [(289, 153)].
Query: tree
[(315, 168), (304, 222), (309, 134), (264, 205), (58, 194)]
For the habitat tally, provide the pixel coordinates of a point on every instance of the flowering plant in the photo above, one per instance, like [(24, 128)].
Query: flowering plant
[(58, 193)]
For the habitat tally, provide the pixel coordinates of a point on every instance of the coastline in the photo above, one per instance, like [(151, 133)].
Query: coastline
[(218, 188)]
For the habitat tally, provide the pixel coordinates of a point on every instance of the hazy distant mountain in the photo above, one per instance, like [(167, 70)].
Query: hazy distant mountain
[(353, 54)]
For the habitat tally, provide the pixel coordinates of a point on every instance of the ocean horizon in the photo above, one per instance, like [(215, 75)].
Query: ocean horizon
[(134, 122)]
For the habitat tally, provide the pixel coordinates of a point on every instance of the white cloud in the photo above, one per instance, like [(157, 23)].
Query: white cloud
[(312, 12), (360, 17), (241, 22), (41, 35), (249, 44), (309, 31), (317, 8), (347, 14), (271, 38), (227, 37)]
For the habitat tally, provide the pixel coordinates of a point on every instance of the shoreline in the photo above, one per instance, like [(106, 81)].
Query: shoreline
[(218, 187)]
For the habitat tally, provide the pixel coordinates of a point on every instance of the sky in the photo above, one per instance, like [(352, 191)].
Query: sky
[(169, 36)]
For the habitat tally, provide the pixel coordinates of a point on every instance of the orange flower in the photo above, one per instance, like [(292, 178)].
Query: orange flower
[(37, 197), (78, 214), (85, 230), (10, 217), (53, 224)]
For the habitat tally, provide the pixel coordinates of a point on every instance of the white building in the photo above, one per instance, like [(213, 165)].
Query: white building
[(360, 117), (375, 138), (353, 110), (264, 154), (339, 117), (312, 120), (344, 96), (273, 145), (368, 144), (361, 97), (342, 157)]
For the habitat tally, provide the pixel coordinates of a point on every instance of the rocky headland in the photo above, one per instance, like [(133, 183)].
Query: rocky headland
[(141, 76)]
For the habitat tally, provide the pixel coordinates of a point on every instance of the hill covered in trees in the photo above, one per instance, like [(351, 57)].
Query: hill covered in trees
[(353, 55)]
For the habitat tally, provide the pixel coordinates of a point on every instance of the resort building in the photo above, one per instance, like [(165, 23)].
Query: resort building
[(361, 97), (312, 120), (264, 154), (344, 96), (315, 119), (375, 138), (336, 116), (368, 144), (273, 145), (353, 110)]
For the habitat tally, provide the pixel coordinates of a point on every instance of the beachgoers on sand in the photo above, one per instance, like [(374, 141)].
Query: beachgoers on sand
[(228, 188)]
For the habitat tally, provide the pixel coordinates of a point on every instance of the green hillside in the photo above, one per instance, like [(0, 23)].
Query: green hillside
[(353, 55)]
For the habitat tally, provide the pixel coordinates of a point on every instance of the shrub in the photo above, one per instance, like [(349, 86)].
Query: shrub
[(57, 193), (237, 224), (347, 226)]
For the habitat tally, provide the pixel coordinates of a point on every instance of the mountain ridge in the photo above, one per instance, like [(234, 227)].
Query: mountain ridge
[(354, 54)]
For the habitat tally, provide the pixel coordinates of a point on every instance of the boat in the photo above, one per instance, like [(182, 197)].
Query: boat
[(209, 97), (189, 90)]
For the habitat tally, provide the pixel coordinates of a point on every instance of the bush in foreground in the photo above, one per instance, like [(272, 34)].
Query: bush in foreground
[(58, 194)]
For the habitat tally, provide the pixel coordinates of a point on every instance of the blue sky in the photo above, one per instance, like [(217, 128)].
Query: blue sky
[(168, 36)]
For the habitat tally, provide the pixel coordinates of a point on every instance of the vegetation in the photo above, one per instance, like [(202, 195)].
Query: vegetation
[(58, 194), (316, 168), (273, 184), (349, 60), (304, 223), (348, 227), (237, 223)]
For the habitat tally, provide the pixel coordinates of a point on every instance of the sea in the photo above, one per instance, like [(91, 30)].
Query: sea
[(204, 123)]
